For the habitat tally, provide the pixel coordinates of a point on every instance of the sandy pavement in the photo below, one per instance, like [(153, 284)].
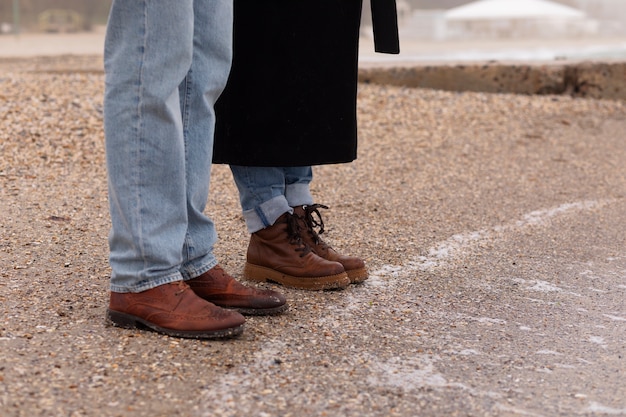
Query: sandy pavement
[(492, 226)]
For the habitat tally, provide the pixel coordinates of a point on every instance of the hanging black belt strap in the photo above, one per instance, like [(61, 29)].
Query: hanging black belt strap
[(385, 23)]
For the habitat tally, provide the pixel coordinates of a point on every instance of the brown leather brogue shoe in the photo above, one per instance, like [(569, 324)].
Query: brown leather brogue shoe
[(355, 267), (278, 254), (175, 310), (219, 288)]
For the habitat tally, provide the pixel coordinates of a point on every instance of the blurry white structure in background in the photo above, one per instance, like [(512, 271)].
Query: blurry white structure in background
[(6, 28), (517, 18), (498, 19), (610, 13)]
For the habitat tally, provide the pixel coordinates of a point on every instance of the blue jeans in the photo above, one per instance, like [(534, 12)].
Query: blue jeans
[(166, 63), (266, 193)]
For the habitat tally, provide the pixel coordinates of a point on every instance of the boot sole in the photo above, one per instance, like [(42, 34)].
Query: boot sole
[(357, 275), (260, 311), (128, 321), (264, 274)]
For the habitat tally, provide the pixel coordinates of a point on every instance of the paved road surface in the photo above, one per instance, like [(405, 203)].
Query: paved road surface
[(494, 227)]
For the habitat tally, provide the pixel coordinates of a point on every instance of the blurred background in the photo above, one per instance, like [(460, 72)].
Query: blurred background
[(50, 16), (424, 19), (484, 19), (463, 29)]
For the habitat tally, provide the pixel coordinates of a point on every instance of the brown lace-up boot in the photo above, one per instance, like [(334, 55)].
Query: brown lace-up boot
[(278, 254), (355, 267), (219, 288)]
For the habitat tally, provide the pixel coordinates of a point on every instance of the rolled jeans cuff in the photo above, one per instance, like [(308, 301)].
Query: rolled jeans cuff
[(266, 214), (298, 194)]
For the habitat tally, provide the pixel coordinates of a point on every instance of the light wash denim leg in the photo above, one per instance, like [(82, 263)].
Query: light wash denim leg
[(166, 63), (266, 193)]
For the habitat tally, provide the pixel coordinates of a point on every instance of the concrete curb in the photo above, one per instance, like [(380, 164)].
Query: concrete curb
[(600, 80)]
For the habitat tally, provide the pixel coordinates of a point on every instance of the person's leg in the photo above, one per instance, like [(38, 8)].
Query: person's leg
[(198, 93), (149, 51), (276, 251), (261, 194)]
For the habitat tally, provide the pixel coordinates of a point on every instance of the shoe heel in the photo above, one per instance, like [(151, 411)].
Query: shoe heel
[(122, 320)]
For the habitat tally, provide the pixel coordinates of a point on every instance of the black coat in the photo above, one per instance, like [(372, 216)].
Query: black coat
[(291, 95)]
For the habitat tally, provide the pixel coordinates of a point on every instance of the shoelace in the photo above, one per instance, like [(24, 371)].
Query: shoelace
[(293, 233), (313, 223)]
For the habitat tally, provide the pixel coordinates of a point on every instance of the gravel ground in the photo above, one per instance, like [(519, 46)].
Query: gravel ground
[(493, 227)]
